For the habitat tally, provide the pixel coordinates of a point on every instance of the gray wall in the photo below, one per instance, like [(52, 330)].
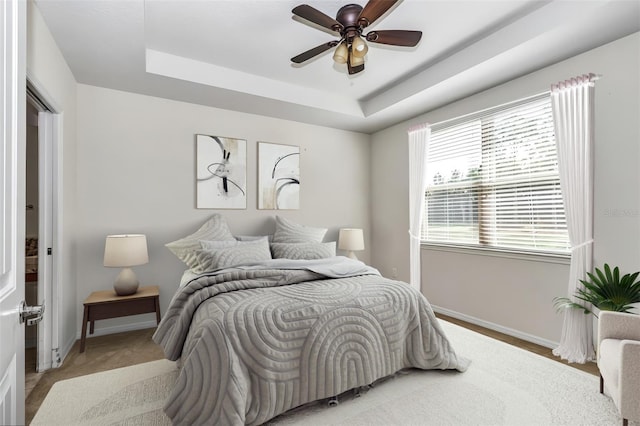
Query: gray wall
[(130, 168), (136, 174), (510, 293)]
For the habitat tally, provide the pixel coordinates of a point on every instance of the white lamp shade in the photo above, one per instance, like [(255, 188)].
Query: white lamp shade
[(351, 239), (122, 251)]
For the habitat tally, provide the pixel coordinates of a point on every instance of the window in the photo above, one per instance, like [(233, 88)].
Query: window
[(493, 182)]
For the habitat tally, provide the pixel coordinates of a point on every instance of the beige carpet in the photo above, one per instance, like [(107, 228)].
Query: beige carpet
[(503, 386)]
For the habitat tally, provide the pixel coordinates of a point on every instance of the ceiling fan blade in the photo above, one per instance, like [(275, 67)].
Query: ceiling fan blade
[(395, 37), (305, 56), (314, 15), (373, 10)]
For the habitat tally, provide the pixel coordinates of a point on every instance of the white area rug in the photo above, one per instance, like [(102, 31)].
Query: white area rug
[(504, 385)]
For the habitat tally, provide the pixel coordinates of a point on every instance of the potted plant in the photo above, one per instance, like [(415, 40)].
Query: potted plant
[(606, 291)]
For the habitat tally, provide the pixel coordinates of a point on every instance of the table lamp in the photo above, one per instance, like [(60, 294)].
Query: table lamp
[(351, 239), (124, 251)]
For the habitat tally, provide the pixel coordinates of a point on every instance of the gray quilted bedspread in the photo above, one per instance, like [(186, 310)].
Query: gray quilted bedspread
[(256, 343)]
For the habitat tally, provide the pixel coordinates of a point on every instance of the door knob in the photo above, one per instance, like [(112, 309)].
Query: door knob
[(27, 312)]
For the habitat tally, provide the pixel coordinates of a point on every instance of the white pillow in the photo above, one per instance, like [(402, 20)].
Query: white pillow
[(288, 231), (213, 229)]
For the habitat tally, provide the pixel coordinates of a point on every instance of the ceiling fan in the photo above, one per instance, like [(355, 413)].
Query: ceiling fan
[(350, 22)]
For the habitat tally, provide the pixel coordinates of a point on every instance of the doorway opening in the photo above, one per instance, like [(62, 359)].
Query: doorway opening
[(41, 222), (31, 246)]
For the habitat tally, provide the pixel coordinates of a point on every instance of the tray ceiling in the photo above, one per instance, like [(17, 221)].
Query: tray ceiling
[(236, 54)]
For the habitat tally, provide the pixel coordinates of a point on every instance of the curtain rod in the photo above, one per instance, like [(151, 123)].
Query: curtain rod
[(592, 77), (416, 127)]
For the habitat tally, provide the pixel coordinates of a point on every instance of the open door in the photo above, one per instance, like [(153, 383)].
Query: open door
[(12, 214)]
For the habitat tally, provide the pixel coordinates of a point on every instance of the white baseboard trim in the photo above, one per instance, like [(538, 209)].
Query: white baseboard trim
[(119, 329), (495, 327), (63, 352)]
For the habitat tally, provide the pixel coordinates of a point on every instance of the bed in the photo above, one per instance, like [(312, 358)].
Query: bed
[(256, 337)]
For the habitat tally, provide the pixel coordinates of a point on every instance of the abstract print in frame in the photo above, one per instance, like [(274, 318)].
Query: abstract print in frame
[(221, 172), (278, 176)]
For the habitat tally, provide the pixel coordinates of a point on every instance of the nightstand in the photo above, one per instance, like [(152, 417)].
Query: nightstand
[(107, 304)]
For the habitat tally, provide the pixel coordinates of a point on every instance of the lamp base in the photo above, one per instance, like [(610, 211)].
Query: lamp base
[(126, 283), (352, 255)]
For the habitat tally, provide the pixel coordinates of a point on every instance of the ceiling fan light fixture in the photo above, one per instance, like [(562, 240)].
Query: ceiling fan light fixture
[(359, 47), (341, 54), (355, 60)]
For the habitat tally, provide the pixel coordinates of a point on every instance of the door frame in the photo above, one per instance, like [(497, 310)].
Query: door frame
[(49, 224)]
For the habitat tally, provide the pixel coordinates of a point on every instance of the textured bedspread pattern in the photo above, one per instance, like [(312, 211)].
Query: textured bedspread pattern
[(256, 343)]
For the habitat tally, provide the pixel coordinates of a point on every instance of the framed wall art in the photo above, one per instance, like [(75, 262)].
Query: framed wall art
[(221, 172), (278, 176)]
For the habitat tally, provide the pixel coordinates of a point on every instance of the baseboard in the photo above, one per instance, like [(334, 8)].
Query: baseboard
[(496, 327), (63, 352), (119, 329)]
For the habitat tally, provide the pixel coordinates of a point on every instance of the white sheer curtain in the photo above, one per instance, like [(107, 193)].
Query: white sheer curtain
[(418, 145), (572, 103)]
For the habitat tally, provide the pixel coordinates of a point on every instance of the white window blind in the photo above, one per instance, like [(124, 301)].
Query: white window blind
[(492, 181)]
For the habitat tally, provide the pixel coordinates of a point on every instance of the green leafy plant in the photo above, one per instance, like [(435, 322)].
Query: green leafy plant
[(607, 291)]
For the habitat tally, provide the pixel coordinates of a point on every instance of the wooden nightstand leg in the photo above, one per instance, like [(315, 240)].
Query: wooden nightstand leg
[(83, 338), (92, 327), (157, 309)]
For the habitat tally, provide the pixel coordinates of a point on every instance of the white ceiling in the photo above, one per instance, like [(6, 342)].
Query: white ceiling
[(236, 54)]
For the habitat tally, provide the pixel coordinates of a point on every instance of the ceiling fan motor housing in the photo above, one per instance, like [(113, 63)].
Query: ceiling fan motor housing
[(348, 16)]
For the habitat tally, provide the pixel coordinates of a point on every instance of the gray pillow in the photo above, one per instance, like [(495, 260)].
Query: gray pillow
[(213, 229), (236, 253), (307, 251), (253, 237), (213, 245), (288, 231)]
